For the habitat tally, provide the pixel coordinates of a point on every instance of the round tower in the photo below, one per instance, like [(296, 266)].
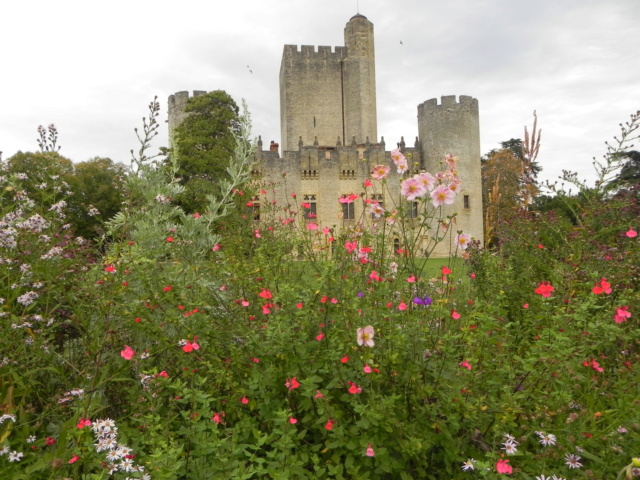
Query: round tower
[(176, 105), (359, 81), (453, 127)]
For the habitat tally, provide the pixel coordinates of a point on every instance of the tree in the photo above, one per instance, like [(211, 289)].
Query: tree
[(203, 144), (96, 187), (501, 174), (630, 172)]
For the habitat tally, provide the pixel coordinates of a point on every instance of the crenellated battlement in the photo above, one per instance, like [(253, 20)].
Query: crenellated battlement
[(314, 51), (180, 98), (448, 101)]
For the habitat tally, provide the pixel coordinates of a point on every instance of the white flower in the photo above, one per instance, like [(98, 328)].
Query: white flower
[(468, 465), (572, 460), (509, 448), (31, 439), (547, 439), (15, 456)]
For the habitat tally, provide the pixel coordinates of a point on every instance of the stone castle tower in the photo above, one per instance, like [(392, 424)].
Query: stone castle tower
[(330, 144), (325, 94)]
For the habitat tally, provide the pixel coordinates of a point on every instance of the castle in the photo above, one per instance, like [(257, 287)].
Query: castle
[(330, 141)]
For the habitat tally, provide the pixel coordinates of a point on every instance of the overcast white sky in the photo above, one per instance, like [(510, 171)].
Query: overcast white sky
[(92, 68)]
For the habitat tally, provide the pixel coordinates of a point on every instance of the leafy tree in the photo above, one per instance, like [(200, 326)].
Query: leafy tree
[(501, 174), (96, 194), (630, 172), (203, 144)]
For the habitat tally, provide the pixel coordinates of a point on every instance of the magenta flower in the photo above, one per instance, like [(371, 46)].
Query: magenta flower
[(503, 467), (365, 336)]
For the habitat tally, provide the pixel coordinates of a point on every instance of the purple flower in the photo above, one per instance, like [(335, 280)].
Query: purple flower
[(423, 301)]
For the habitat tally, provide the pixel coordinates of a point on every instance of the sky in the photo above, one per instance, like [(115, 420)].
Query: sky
[(93, 68)]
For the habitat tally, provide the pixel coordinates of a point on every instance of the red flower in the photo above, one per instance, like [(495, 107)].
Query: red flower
[(292, 383), (602, 287), (446, 270), (50, 441), (344, 359), (545, 289), (329, 424), (110, 269), (169, 239), (167, 288), (266, 294), (74, 459)]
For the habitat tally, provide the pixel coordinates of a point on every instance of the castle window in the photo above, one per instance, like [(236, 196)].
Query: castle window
[(396, 246), (348, 211), (309, 206), (466, 201)]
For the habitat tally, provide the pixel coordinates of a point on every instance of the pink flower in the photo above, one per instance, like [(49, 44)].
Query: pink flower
[(190, 346), (292, 421), (503, 467), (379, 172), (462, 240), (320, 336), (244, 400), (367, 368), (216, 247), (442, 195), (217, 418), (412, 188), (465, 364), (365, 336), (622, 314), (350, 246), (402, 307), (377, 210), (318, 394), (427, 180), (369, 452), (292, 383), (455, 315), (367, 183), (411, 279), (399, 160), (74, 459), (127, 353), (312, 226), (545, 289), (631, 233)]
